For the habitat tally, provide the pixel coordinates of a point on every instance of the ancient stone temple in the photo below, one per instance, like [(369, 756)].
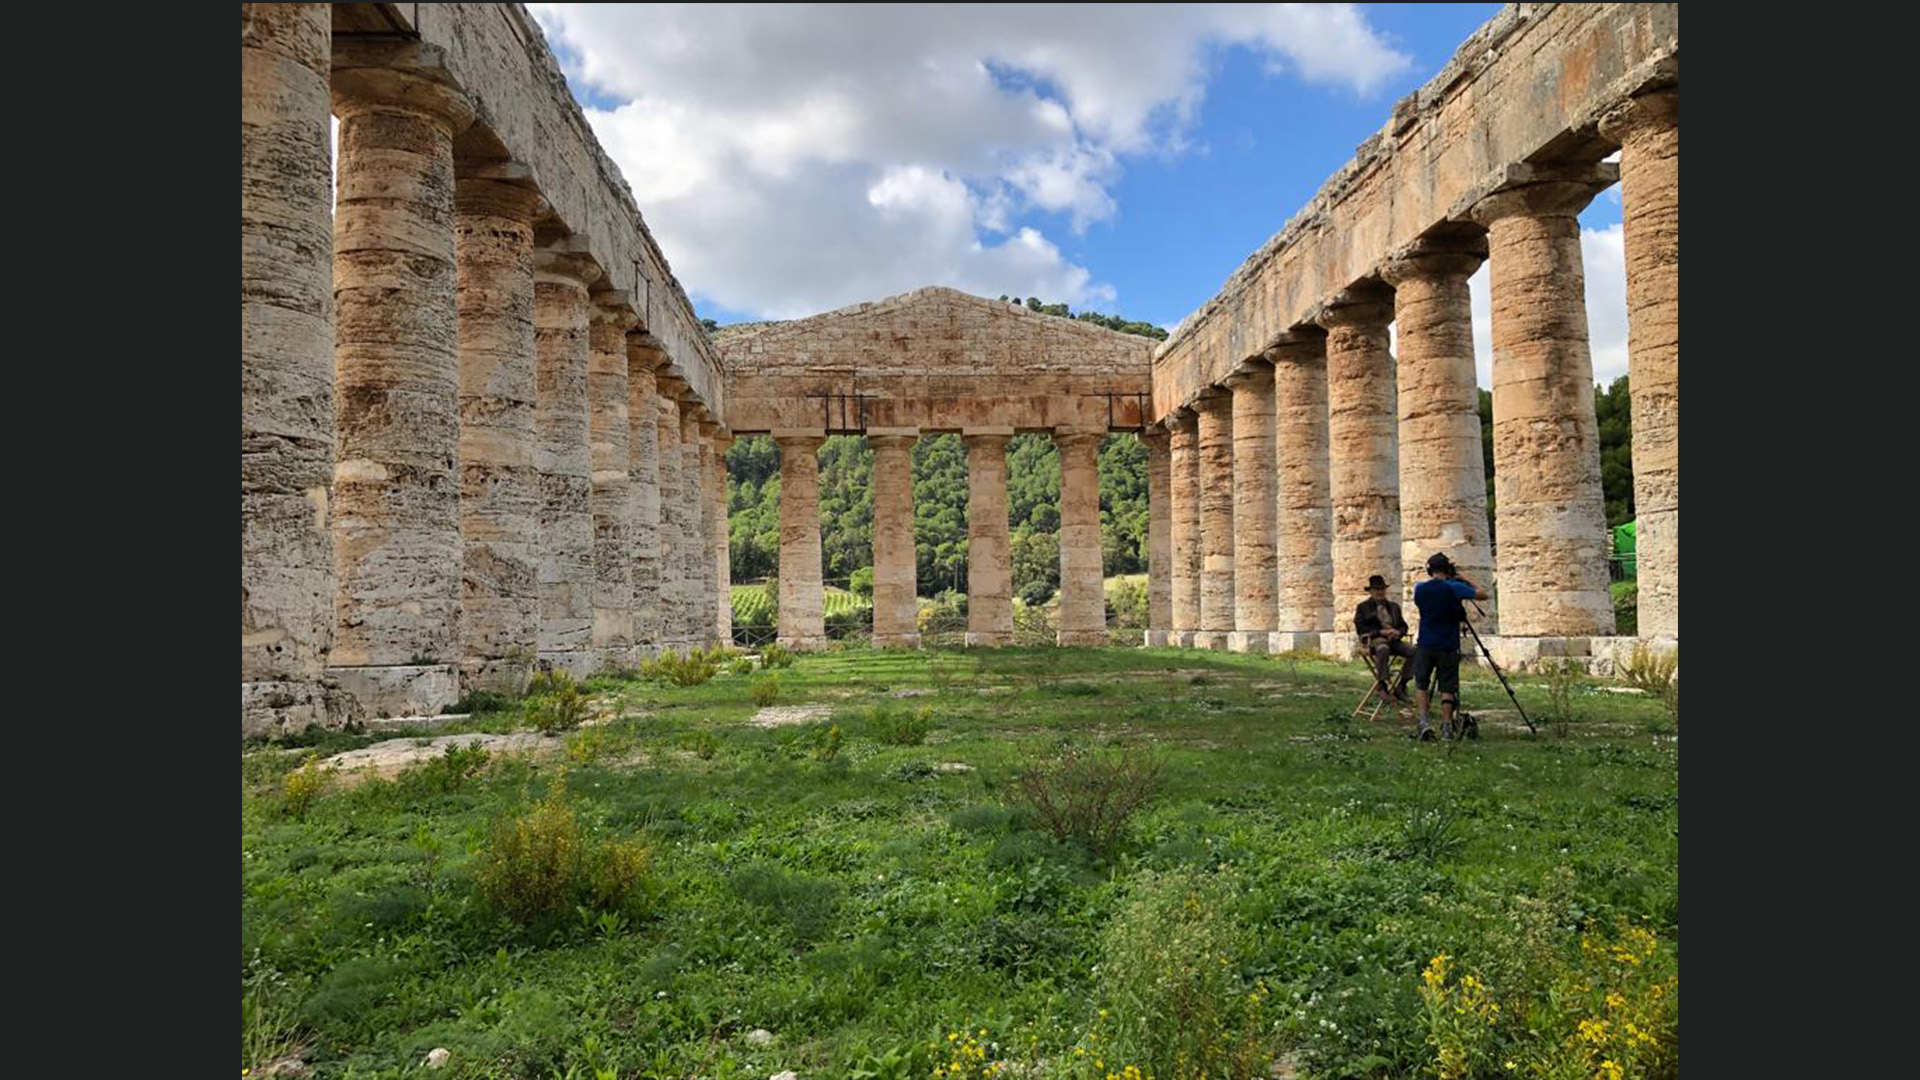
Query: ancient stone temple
[(482, 429)]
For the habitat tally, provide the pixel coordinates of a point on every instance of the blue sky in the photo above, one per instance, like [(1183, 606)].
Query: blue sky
[(793, 159)]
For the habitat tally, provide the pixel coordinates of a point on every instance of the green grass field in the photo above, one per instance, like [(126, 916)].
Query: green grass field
[(877, 903)]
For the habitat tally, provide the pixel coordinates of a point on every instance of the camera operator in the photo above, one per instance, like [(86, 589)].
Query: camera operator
[(1437, 647)]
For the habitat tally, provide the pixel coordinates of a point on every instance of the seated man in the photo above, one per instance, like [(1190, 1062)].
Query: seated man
[(1440, 600), (1383, 633)]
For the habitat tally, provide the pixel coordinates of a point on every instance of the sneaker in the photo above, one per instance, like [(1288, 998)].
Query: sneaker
[(1446, 732), (1425, 734)]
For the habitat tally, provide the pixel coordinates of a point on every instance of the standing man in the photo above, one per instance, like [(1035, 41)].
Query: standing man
[(1439, 599), (1382, 630)]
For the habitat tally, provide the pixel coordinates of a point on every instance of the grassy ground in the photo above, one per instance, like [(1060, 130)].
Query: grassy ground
[(865, 907)]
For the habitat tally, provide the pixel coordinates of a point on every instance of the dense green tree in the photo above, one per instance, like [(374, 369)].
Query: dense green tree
[(1614, 410)]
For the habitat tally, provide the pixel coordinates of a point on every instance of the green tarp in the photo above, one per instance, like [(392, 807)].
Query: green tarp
[(1623, 547)]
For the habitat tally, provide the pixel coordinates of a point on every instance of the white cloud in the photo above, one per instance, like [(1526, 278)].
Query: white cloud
[(1603, 261), (792, 158)]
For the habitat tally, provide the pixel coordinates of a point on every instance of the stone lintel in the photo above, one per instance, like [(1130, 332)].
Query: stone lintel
[(1007, 431), (892, 432), (798, 433)]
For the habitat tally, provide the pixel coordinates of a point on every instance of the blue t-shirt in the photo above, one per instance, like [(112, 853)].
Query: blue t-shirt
[(1439, 601)]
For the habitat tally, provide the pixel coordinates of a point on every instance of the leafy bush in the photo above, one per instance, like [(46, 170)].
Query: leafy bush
[(1088, 796), (1563, 678), (554, 702), (1657, 673), (1626, 608), (481, 701), (693, 669), (766, 689), (900, 728), (1127, 601), (304, 784), (703, 745), (540, 865), (860, 582), (776, 655), (741, 666), (450, 771), (827, 747), (1179, 1007), (1035, 593)]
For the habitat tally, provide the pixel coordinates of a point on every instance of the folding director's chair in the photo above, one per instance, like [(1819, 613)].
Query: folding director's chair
[(1377, 697)]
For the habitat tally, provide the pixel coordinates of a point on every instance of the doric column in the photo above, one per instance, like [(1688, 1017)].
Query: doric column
[(1083, 601), (1215, 407), (1159, 537), (286, 372), (1443, 471), (609, 426), (1550, 511), (1303, 504), (1362, 429), (563, 455), (696, 563), (673, 517), (396, 525), (719, 443), (1255, 608), (802, 603), (989, 544), (1648, 130), (894, 622), (494, 210), (643, 473), (1184, 462)]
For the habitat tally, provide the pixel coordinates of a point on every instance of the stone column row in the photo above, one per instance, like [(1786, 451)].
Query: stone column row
[(448, 453)]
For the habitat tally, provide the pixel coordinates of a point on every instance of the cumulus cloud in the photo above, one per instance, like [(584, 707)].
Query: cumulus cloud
[(792, 158), (1603, 258)]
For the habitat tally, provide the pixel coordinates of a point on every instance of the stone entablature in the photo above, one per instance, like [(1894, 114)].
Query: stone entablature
[(1531, 85)]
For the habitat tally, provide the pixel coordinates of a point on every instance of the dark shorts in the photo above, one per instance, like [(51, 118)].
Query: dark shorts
[(1447, 663)]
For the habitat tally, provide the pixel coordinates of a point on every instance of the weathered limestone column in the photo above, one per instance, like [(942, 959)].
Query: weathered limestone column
[(673, 517), (803, 622), (1364, 466), (494, 210), (1648, 130), (894, 615), (719, 443), (1443, 477), (286, 372), (1184, 463), (564, 458), (609, 425), (696, 558), (989, 542), (1159, 538), (1083, 600), (1215, 407), (396, 524), (643, 471), (1256, 610), (1550, 510), (1303, 504)]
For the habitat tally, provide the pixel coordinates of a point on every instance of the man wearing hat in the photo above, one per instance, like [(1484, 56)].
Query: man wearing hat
[(1383, 633), (1440, 600)]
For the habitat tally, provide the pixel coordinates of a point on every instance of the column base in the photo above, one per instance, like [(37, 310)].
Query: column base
[(1249, 641), (1158, 639), (496, 676), (1599, 656), (1210, 639), (1311, 641), (802, 644), (1082, 639), (1180, 639), (401, 689), (989, 639), (1339, 644), (896, 641), (270, 709)]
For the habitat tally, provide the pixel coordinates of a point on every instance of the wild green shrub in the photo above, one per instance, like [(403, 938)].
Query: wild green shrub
[(540, 864), (1088, 796), (305, 784), (776, 655), (693, 669), (703, 745), (1564, 677), (1180, 1009), (449, 772), (741, 666), (1657, 673), (554, 702), (766, 689), (897, 728)]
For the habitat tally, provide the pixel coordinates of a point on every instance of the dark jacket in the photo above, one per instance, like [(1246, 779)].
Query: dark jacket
[(1368, 620)]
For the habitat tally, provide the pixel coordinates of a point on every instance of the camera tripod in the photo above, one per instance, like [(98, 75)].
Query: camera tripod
[(1501, 675)]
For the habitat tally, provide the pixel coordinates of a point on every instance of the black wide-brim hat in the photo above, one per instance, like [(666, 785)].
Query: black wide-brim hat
[(1376, 582)]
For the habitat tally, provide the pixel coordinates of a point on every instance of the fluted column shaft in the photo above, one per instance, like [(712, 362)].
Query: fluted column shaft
[(286, 370), (989, 543), (1648, 130), (1184, 463), (720, 601), (1215, 407), (696, 564), (1549, 506), (396, 526), (1159, 537), (894, 622), (1083, 602), (1255, 607), (499, 486), (1304, 508), (643, 470), (1362, 433), (1443, 477), (673, 522), (802, 599), (564, 457), (610, 425)]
